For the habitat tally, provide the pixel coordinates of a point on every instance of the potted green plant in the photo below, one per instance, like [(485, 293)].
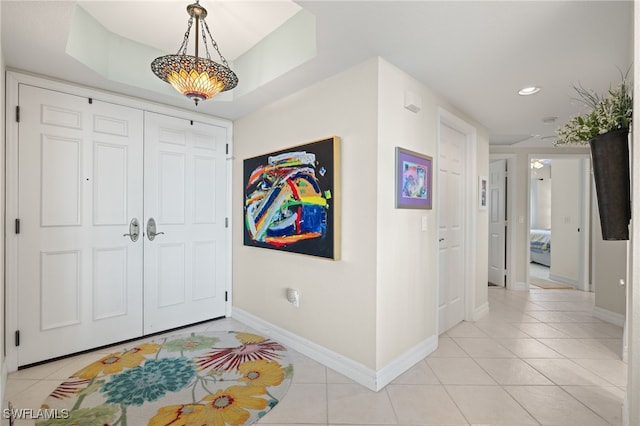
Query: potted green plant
[(605, 127)]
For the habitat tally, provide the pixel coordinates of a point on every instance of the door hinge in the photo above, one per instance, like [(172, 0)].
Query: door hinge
[(226, 149), (17, 226), (226, 222), (226, 296), (90, 101), (17, 113), (17, 337)]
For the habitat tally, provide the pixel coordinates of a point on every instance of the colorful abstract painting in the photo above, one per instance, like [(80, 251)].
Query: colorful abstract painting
[(413, 180), (290, 199)]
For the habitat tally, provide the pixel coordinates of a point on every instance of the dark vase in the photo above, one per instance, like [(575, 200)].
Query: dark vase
[(610, 158)]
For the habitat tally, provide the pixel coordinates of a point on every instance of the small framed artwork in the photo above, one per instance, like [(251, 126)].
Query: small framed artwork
[(482, 192), (414, 177)]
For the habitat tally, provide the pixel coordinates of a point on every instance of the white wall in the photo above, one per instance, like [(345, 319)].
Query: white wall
[(482, 230), (378, 301), (337, 298), (541, 198), (3, 374), (407, 256), (609, 268), (631, 408)]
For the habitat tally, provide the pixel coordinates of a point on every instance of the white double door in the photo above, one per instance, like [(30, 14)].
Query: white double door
[(86, 171)]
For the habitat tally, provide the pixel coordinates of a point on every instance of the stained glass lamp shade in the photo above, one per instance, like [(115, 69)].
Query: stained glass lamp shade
[(197, 78)]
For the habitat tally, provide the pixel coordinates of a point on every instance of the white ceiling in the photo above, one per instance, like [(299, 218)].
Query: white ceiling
[(477, 54), (236, 25)]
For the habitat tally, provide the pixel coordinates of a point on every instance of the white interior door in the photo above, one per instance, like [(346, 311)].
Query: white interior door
[(451, 230), (497, 222), (185, 194), (567, 214), (80, 185)]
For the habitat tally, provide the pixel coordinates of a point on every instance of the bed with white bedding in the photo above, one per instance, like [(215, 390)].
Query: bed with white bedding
[(541, 246)]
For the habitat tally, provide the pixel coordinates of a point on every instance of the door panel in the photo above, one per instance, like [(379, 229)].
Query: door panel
[(497, 223), (184, 193), (80, 182), (109, 282), (60, 287), (110, 184), (61, 166), (171, 188), (451, 231)]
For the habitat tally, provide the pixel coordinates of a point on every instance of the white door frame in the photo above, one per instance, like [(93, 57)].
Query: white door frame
[(497, 187), (470, 214), (510, 239), (585, 202), (13, 79)]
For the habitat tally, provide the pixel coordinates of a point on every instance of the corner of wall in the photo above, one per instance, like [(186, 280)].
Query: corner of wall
[(337, 298), (389, 273), (409, 115)]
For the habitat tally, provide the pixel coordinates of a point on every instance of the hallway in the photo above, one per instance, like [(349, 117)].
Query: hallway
[(538, 358)]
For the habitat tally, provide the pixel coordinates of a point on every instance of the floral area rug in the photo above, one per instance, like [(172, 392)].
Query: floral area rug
[(219, 378)]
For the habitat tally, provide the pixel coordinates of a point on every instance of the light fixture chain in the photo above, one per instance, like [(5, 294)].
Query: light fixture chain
[(185, 41), (204, 39), (214, 44)]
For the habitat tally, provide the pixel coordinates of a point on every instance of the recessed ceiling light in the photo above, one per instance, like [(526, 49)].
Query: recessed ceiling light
[(526, 91)]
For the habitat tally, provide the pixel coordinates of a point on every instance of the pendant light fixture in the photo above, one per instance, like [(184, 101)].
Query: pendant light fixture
[(197, 78)]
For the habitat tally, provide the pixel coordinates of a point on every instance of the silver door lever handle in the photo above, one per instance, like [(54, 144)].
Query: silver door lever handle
[(134, 230), (151, 229)]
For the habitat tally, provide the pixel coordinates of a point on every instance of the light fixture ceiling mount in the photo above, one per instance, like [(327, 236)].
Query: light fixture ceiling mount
[(197, 78)]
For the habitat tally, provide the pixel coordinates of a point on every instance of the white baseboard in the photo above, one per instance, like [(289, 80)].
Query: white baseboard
[(608, 316), (481, 311), (563, 280), (518, 285), (405, 361), (3, 380), (372, 379)]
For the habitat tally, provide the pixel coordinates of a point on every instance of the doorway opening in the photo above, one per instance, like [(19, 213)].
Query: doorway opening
[(559, 222)]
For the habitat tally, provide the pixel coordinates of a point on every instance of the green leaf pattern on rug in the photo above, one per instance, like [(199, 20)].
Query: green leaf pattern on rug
[(191, 343), (149, 382)]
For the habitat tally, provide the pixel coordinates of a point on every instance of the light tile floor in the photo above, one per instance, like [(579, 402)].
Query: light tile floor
[(539, 271), (538, 358)]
